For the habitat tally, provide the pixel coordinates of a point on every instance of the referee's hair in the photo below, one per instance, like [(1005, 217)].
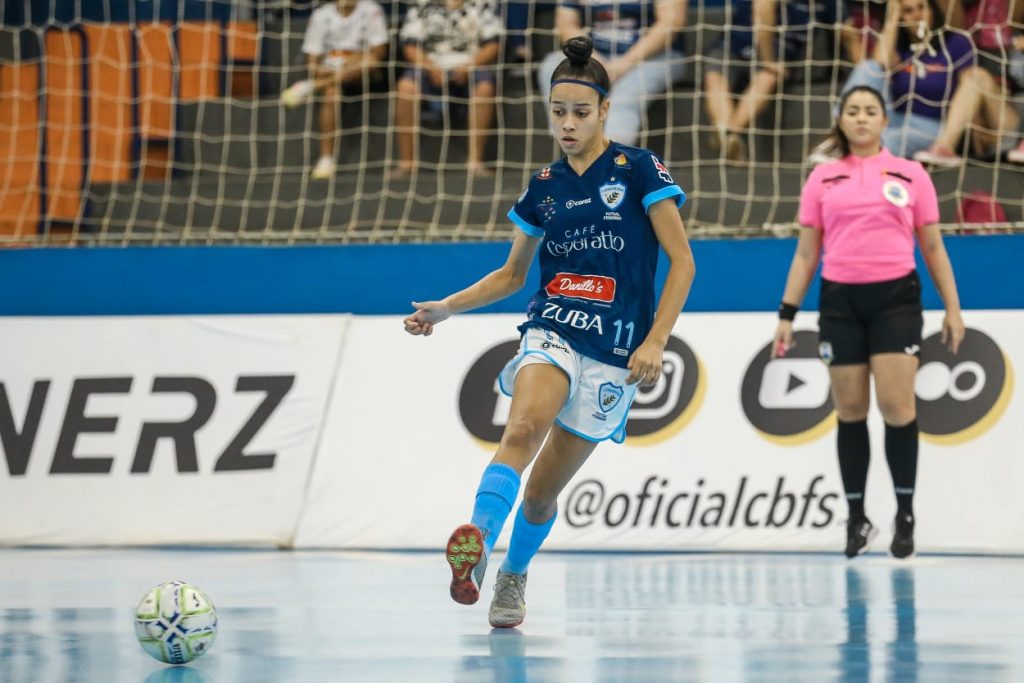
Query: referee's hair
[(580, 65), (837, 138)]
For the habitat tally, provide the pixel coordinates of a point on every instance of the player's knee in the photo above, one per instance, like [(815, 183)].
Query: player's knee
[(523, 433), (538, 503)]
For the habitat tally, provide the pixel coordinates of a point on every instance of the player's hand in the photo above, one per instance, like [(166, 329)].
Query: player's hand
[(953, 331), (428, 314), (645, 364), (783, 340)]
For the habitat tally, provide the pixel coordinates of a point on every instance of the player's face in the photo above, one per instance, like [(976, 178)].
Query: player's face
[(577, 120), (863, 119)]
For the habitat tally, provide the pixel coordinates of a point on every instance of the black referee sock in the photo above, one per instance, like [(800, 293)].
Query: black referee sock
[(901, 453), (854, 456)]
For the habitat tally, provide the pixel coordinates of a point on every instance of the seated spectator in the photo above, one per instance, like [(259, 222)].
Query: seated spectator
[(640, 45), (451, 48), (755, 60), (917, 66), (862, 28), (345, 39), (982, 101), (1017, 74)]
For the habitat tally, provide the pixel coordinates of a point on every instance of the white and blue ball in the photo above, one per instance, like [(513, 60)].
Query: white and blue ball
[(175, 622)]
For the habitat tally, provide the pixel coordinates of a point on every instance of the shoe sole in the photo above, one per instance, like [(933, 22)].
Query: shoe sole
[(463, 553)]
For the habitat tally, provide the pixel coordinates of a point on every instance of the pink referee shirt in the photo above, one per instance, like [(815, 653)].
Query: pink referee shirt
[(869, 209)]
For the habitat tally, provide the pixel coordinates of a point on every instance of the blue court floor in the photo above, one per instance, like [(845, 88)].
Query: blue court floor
[(66, 615)]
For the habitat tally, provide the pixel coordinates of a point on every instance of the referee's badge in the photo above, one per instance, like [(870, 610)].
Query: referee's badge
[(896, 193), (612, 194)]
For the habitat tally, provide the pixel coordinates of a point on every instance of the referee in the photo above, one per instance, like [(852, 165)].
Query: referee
[(862, 214)]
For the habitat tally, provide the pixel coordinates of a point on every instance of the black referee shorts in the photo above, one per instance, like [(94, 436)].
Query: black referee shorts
[(858, 321)]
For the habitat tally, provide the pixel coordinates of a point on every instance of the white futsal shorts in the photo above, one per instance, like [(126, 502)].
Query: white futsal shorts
[(599, 398)]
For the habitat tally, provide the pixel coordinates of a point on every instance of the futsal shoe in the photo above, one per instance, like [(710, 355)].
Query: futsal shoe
[(324, 169), (508, 606), (859, 534), (902, 537), (465, 555)]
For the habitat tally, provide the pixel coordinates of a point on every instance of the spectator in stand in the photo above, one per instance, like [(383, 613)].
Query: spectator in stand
[(1017, 74), (640, 45), (917, 66), (451, 47), (862, 28), (983, 99), (345, 40), (763, 37)]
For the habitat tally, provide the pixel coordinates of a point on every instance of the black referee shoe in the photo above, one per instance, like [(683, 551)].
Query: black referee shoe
[(859, 534), (902, 536)]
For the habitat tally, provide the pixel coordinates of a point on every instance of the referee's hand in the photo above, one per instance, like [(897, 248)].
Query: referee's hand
[(783, 340)]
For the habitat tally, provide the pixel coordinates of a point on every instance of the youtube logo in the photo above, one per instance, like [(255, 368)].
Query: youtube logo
[(788, 400)]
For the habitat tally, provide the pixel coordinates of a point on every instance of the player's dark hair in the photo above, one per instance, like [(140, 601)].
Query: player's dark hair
[(578, 64), (839, 142)]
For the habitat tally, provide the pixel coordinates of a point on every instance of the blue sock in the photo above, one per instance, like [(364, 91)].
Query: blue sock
[(526, 541), (495, 497)]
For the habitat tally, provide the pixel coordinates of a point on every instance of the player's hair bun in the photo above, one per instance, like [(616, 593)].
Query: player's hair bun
[(578, 50)]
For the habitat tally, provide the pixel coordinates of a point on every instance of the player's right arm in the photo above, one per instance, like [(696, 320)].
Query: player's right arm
[(495, 286)]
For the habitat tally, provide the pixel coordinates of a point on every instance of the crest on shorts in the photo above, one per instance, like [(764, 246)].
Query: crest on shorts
[(825, 352), (896, 193), (608, 396), (612, 194)]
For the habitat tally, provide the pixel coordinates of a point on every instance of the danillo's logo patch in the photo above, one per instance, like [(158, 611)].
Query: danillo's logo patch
[(592, 287)]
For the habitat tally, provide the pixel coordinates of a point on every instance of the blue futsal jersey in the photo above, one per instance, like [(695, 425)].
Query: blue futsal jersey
[(599, 253)]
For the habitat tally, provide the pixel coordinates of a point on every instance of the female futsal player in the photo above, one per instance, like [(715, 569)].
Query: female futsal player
[(864, 211), (592, 333)]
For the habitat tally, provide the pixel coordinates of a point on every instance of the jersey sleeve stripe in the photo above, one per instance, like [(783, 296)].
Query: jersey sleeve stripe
[(665, 193), (531, 230)]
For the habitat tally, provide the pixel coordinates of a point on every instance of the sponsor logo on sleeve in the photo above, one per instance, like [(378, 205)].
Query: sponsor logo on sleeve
[(662, 170)]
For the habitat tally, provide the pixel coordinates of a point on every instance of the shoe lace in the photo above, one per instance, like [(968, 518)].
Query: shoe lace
[(509, 589)]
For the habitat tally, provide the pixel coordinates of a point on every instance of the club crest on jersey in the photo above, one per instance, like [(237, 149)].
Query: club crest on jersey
[(621, 161), (612, 194), (608, 396), (545, 174), (896, 193), (662, 171)]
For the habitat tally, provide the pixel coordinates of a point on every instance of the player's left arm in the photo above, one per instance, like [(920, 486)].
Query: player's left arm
[(937, 260), (645, 363)]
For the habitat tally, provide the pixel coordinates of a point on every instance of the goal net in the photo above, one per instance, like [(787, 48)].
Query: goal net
[(128, 122)]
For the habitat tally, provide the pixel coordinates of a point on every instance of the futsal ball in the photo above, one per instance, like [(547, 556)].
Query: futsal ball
[(175, 622)]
